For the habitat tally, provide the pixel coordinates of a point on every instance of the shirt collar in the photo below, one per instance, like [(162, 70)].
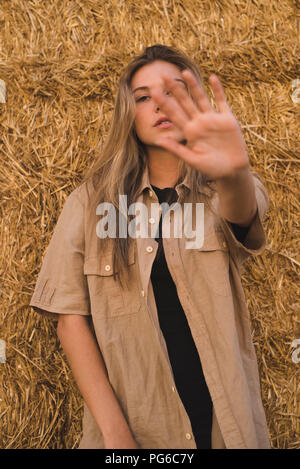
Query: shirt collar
[(145, 183)]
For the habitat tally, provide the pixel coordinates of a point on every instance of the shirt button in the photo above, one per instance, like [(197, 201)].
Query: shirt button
[(224, 244), (150, 193), (143, 293), (188, 436), (151, 220), (149, 248), (107, 267), (173, 388)]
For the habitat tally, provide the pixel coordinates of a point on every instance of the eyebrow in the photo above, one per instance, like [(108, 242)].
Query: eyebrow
[(147, 87)]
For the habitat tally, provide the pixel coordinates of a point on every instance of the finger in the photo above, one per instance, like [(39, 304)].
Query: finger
[(179, 150), (197, 92), (182, 96), (219, 94), (171, 109)]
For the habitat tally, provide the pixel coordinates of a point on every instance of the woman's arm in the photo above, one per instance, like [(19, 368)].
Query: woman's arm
[(214, 144), (89, 371), (237, 197)]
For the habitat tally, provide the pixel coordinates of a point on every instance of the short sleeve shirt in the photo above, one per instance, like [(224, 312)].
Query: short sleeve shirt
[(75, 279)]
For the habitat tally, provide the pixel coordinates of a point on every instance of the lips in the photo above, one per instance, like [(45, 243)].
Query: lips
[(161, 120)]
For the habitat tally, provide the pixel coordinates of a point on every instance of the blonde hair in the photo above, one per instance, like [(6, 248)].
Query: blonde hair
[(119, 167)]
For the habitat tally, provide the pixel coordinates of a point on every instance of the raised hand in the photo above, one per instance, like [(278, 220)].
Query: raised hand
[(215, 145)]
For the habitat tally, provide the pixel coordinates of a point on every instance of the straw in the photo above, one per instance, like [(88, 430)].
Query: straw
[(60, 62)]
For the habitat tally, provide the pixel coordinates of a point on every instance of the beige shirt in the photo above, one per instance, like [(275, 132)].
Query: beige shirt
[(74, 279)]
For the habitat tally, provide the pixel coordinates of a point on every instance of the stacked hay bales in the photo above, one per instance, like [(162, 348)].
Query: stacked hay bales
[(60, 61)]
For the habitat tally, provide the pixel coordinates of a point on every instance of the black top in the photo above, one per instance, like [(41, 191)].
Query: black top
[(183, 355)]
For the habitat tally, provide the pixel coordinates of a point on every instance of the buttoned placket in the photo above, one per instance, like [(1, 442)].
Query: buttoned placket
[(147, 249)]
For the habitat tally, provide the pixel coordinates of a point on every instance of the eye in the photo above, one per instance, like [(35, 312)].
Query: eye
[(142, 98)]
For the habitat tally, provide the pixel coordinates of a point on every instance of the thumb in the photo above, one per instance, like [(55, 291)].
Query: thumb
[(182, 151)]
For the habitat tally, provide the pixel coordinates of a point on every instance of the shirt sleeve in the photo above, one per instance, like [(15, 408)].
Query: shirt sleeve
[(240, 232), (251, 240), (61, 286)]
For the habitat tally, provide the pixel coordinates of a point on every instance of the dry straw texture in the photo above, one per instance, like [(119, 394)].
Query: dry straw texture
[(61, 61)]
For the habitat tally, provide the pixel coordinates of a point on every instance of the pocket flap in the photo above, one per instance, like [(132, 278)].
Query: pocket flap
[(215, 240), (103, 265)]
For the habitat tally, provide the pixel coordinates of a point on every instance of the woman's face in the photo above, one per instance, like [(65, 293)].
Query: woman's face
[(149, 78)]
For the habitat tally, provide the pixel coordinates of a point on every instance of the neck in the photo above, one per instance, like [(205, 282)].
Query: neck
[(163, 167)]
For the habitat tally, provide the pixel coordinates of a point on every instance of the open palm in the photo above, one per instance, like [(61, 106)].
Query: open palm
[(215, 145)]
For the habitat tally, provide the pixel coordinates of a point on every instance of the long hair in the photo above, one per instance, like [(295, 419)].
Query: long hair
[(119, 167)]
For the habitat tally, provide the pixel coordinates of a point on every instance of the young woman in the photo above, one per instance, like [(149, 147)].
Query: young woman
[(155, 327)]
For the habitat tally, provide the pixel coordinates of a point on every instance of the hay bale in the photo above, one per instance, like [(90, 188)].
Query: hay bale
[(61, 63)]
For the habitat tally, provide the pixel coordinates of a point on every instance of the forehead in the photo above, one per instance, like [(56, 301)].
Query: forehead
[(152, 74)]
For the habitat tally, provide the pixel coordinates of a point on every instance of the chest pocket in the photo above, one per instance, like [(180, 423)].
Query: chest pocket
[(213, 259), (107, 298)]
